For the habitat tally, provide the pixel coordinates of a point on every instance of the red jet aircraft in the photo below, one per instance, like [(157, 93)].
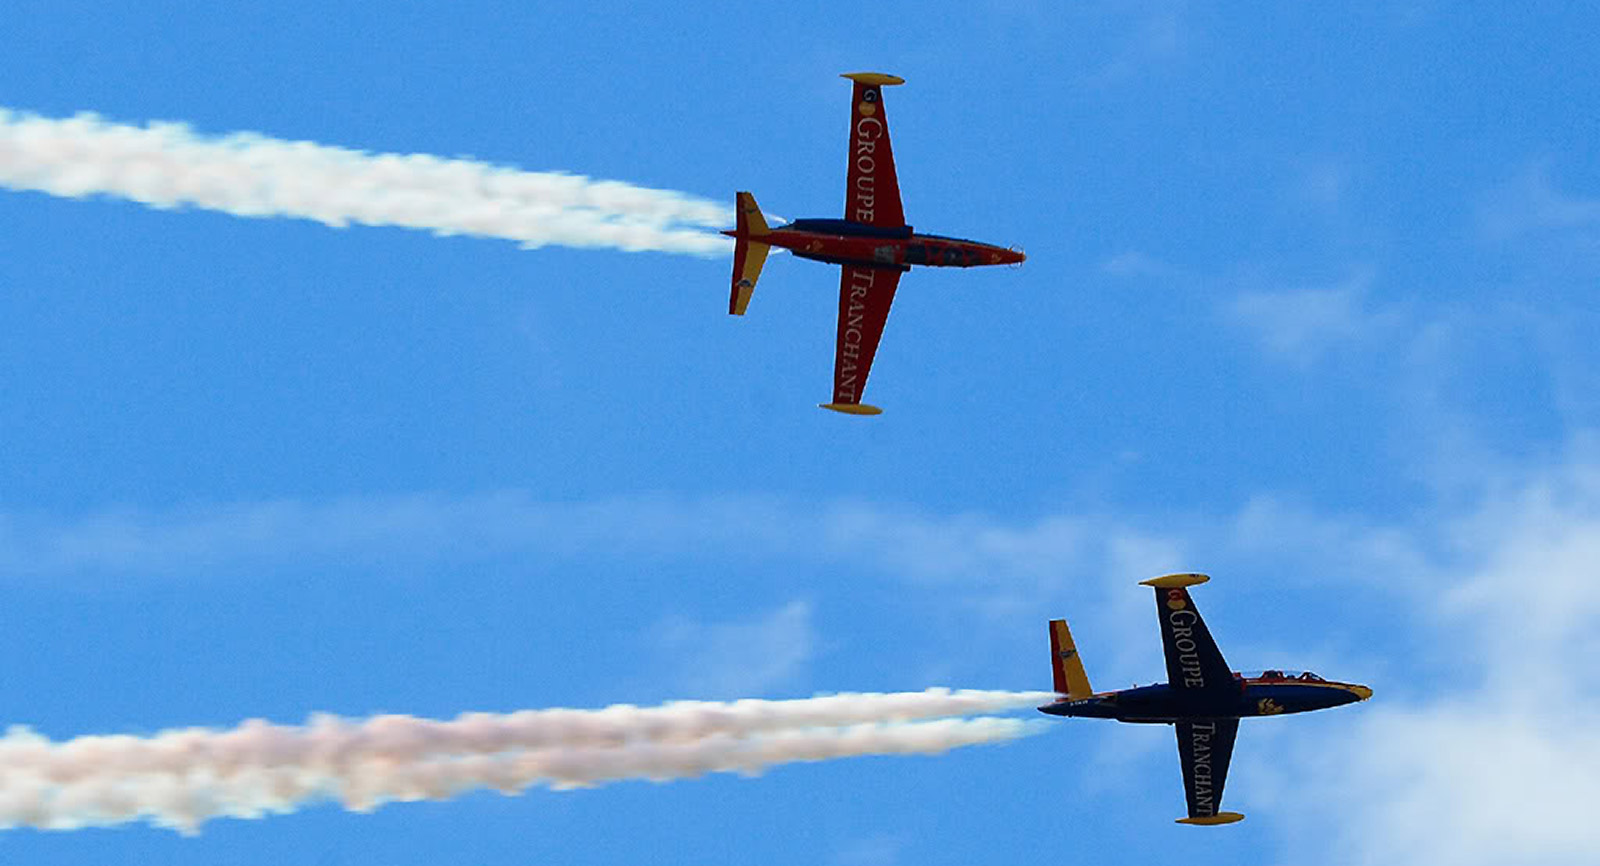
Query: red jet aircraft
[(872, 243)]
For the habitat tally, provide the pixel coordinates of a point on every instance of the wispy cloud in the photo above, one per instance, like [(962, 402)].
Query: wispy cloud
[(1158, 36), (739, 658), (1531, 203), (967, 549), (881, 850), (1132, 263), (1302, 325), (167, 165), (1499, 766), (1323, 184), (1001, 570)]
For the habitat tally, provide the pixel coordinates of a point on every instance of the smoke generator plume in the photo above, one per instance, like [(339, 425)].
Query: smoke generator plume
[(166, 165), (181, 778)]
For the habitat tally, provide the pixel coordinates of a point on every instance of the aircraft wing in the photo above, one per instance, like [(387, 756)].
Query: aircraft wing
[(872, 192), (1204, 749), (1193, 660), (864, 298)]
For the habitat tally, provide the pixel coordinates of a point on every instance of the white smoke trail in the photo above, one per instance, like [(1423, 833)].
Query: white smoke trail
[(181, 778), (185, 802), (330, 740), (167, 165)]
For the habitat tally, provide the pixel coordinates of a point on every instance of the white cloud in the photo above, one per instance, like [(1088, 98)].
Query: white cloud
[(1132, 263), (735, 659), (1531, 203), (881, 850), (1301, 325), (968, 549), (1158, 38), (1322, 184), (1271, 527), (1504, 765), (1458, 782)]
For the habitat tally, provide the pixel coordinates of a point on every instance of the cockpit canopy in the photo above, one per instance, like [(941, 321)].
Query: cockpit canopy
[(1273, 675)]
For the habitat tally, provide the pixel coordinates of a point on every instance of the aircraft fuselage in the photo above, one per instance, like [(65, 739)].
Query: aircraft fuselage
[(842, 242), (1203, 698), (1160, 703)]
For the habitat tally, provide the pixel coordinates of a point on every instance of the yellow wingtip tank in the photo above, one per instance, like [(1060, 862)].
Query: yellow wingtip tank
[(1176, 581), (852, 408), (873, 78), (1213, 820)]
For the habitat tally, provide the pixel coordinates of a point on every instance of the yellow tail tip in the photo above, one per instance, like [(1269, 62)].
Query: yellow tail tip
[(852, 408)]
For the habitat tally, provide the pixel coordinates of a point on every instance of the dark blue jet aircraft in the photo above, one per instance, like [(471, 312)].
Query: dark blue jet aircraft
[(1202, 697)]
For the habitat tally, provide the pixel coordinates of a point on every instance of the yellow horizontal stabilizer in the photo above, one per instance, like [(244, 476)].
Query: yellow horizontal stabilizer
[(1219, 818), (741, 298), (852, 408), (748, 257), (1176, 581), (877, 78)]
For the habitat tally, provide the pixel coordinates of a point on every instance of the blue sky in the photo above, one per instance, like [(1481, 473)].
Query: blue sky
[(1309, 306)]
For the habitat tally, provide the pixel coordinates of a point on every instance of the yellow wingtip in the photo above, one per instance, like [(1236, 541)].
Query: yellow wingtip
[(879, 78), (1219, 818), (1176, 581), (852, 408)]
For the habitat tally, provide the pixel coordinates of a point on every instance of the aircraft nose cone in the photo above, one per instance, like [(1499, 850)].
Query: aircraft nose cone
[(1362, 692)]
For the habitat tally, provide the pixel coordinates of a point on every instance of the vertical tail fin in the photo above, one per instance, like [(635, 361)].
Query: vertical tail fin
[(748, 255), (1070, 679)]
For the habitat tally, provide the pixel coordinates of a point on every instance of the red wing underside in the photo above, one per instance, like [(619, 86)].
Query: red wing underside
[(864, 298), (872, 192)]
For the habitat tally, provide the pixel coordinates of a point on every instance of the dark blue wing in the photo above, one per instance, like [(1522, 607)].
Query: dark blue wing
[(1204, 749), (1193, 660)]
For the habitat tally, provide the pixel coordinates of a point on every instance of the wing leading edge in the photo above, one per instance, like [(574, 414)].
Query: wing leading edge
[(1204, 749), (864, 298)]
